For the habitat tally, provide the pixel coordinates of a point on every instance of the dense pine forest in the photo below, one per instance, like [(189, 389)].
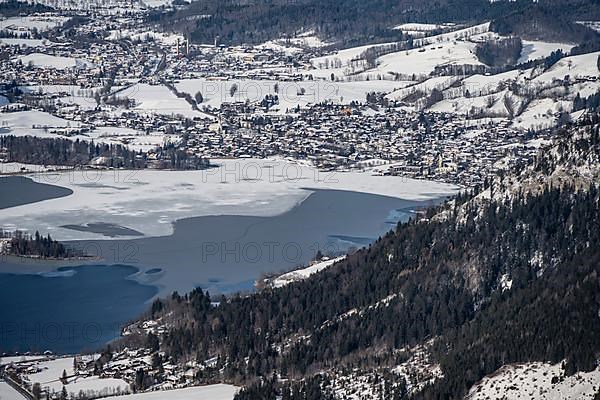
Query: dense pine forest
[(77, 153), (500, 274)]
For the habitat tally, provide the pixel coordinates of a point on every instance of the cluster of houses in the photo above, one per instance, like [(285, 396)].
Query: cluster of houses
[(124, 371), (387, 141)]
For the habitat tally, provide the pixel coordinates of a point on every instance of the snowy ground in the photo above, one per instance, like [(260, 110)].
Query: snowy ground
[(150, 200), (67, 95), (20, 359), (22, 123), (28, 23), (24, 42), (538, 381), (584, 65), (296, 44), (443, 49), (8, 393), (33, 122), (210, 392), (50, 373), (46, 60), (489, 96), (158, 99), (440, 83), (425, 59), (417, 27), (289, 93), (533, 50), (541, 114), (304, 273)]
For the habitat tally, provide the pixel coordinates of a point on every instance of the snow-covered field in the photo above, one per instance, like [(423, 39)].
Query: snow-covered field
[(20, 359), (326, 64), (67, 95), (425, 59), (131, 138), (210, 392), (536, 381), (439, 82), (533, 50), (492, 96), (150, 200), (24, 42), (40, 124), (159, 99), (58, 62), (290, 94), (584, 65), (541, 114), (417, 27), (32, 122)]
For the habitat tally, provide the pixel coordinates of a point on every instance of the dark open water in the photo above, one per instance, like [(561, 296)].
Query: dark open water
[(76, 309)]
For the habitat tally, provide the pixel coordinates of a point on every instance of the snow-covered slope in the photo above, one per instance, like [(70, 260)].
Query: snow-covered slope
[(304, 273), (536, 381), (580, 66), (532, 50), (210, 392)]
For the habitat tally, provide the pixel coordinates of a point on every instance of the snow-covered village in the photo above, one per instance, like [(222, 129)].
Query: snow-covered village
[(272, 200), (424, 111)]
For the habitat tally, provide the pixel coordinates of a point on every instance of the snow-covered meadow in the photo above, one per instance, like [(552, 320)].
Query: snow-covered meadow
[(290, 94), (210, 392), (42, 124), (533, 50), (22, 24), (158, 99), (58, 62)]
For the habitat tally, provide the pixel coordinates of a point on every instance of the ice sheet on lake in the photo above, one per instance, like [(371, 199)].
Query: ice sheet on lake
[(149, 201)]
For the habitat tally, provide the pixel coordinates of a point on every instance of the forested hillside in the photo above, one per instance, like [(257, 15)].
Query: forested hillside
[(59, 151), (505, 273), (550, 21), (352, 22)]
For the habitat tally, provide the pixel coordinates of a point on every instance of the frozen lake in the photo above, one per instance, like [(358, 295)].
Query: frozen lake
[(148, 202), (223, 246)]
